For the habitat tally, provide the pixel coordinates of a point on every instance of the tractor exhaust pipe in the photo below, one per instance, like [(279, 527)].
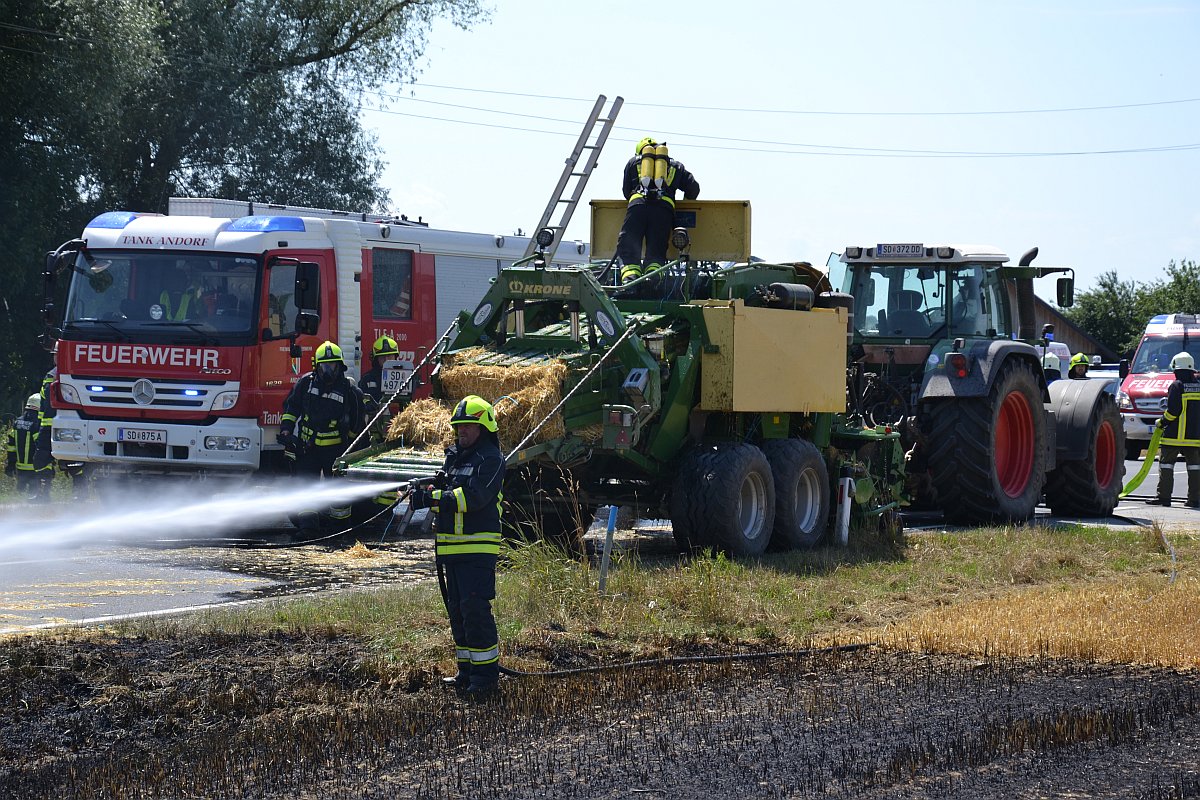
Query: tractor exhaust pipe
[(1026, 326)]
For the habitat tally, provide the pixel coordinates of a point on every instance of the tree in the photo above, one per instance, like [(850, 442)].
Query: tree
[(120, 104), (1116, 311)]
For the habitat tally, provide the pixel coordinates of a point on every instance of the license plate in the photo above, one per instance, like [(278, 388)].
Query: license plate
[(394, 378), (141, 436), (899, 251)]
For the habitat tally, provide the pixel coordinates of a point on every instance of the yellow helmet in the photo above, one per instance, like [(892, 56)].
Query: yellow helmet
[(385, 346), (1080, 359), (645, 141), (474, 408), (33, 401), (328, 353), (1183, 360)]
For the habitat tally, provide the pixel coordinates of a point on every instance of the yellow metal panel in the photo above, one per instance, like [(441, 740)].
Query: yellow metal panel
[(767, 359), (720, 229)]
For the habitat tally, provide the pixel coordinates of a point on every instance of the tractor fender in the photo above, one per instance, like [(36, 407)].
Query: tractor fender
[(1072, 403), (985, 357)]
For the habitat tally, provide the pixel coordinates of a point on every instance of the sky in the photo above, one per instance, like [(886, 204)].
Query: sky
[(1072, 126)]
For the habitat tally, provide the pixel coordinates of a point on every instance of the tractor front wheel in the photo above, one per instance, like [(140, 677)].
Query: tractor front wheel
[(1089, 487)]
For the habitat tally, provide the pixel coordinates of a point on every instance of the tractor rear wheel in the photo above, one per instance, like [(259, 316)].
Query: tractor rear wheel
[(724, 497), (1089, 487), (801, 493), (988, 455)]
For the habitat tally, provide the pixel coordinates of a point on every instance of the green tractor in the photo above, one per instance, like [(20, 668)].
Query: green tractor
[(711, 393), (939, 354)]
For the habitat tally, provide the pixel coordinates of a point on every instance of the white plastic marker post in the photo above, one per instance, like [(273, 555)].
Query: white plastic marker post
[(845, 498), (608, 539)]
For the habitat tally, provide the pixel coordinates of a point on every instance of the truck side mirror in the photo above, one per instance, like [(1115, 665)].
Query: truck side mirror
[(1123, 368), (307, 322), (1066, 292)]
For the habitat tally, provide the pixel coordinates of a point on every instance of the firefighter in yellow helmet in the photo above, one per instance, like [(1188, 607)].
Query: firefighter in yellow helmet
[(466, 502), (650, 182), (33, 478), (321, 416), (1079, 367), (1180, 425), (385, 349)]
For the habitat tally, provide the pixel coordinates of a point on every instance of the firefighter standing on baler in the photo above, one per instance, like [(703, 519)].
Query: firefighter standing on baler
[(466, 500), (21, 459), (321, 416), (650, 182)]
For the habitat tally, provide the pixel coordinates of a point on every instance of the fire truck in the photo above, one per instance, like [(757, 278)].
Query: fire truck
[(181, 334), (1142, 397)]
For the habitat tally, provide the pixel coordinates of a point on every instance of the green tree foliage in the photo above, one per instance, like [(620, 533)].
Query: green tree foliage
[(120, 104), (1116, 311)]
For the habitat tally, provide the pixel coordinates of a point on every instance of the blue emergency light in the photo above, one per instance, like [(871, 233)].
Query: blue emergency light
[(115, 220), (264, 224)]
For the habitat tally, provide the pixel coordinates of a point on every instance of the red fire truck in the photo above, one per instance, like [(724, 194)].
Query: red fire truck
[(182, 333), (1142, 397)]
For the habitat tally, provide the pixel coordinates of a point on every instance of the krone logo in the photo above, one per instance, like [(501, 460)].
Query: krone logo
[(545, 290)]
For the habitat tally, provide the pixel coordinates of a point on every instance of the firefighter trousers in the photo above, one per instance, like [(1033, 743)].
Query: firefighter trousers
[(650, 221), (468, 584), (1167, 455), (316, 463)]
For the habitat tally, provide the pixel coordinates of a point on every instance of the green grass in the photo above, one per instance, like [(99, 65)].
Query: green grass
[(549, 604)]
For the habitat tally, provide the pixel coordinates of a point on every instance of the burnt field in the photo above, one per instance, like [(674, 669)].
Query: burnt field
[(282, 716)]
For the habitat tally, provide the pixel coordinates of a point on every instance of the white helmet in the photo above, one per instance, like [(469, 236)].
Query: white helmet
[(34, 401), (1050, 361), (1183, 361)]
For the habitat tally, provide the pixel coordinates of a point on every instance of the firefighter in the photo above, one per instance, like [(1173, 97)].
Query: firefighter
[(180, 297), (77, 470), (371, 382), (21, 459), (1079, 367), (1051, 368), (1180, 425), (321, 416), (650, 214), (467, 506)]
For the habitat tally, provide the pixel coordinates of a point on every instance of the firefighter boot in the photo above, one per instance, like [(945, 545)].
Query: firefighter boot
[(1193, 498), (460, 681)]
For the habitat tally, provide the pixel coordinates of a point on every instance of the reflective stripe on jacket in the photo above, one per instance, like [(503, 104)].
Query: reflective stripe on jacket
[(323, 417), (1181, 420), (23, 440)]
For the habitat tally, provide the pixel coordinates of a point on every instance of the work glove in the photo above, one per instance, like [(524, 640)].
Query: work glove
[(440, 480), (288, 440), (421, 497)]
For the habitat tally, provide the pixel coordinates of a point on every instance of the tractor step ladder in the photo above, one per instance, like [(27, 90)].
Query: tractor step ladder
[(580, 173)]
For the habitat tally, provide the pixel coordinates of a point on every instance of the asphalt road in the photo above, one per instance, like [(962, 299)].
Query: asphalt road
[(100, 581)]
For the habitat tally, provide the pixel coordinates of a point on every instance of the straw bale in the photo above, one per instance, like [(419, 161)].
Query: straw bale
[(521, 395)]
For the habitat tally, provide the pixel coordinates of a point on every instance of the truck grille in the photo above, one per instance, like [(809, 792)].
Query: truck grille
[(148, 392), (1157, 404)]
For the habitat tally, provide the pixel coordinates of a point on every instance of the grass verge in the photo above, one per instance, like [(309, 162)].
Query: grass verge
[(1122, 596)]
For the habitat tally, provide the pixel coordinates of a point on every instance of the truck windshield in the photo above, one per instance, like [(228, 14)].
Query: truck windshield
[(154, 294), (1155, 352)]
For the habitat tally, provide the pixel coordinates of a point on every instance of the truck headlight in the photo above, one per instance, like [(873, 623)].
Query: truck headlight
[(66, 435), (226, 442), (69, 395), (1123, 401), (225, 400)]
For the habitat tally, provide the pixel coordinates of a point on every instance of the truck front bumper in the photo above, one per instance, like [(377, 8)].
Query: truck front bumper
[(228, 445)]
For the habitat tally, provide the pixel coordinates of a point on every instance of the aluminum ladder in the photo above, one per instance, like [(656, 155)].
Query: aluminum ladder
[(581, 174)]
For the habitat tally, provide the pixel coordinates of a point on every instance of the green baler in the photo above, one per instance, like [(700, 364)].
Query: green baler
[(712, 393)]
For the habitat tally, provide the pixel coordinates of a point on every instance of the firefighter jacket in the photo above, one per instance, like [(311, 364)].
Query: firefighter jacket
[(371, 385), (468, 507), (678, 180), (23, 442), (1181, 420), (323, 416), (46, 419)]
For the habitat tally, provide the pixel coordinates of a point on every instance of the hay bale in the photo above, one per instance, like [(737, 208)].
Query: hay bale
[(423, 422), (522, 396)]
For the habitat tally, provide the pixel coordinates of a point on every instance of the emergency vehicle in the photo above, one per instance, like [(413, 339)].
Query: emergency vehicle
[(1142, 397), (182, 333)]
